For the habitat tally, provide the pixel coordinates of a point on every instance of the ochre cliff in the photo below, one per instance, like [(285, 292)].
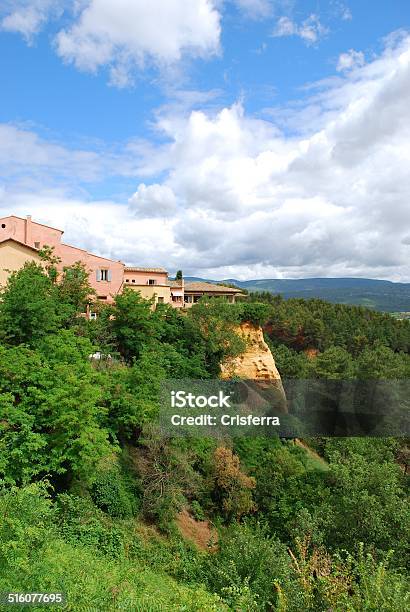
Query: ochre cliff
[(257, 362), (256, 367)]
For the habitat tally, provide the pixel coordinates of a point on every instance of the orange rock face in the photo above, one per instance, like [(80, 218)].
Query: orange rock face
[(256, 366), (257, 362)]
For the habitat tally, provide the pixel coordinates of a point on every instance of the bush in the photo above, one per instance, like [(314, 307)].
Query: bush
[(81, 523), (246, 567), (197, 511), (232, 488), (25, 525), (255, 313), (114, 494)]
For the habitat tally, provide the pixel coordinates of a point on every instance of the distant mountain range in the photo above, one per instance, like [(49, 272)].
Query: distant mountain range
[(377, 294)]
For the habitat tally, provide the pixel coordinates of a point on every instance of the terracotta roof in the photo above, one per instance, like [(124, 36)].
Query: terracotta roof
[(19, 242), (175, 283), (136, 269), (202, 286)]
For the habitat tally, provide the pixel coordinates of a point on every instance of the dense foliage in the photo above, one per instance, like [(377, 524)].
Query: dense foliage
[(91, 491)]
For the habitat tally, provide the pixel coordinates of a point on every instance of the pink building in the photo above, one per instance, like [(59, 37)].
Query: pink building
[(21, 239), (106, 275)]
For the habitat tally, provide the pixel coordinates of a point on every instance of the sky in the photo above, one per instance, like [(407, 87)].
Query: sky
[(227, 138)]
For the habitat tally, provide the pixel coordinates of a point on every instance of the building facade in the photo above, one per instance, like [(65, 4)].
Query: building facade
[(22, 239), (105, 275)]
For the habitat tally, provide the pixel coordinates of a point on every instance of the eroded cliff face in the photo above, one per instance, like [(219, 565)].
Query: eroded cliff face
[(256, 366), (257, 362)]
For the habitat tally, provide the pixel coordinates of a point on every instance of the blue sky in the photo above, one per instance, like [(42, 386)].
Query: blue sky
[(247, 138)]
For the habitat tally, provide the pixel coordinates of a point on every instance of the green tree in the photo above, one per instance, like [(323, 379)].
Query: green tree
[(216, 323), (29, 309), (52, 412), (51, 261), (334, 364), (74, 289), (133, 323)]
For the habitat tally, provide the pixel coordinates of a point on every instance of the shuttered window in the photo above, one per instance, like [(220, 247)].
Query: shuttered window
[(104, 275)]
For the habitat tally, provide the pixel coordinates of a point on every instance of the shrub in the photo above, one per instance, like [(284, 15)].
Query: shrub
[(25, 525), (114, 494), (246, 567), (232, 489), (197, 511), (255, 313), (81, 523)]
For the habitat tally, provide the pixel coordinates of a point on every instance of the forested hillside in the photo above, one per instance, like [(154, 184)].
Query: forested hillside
[(382, 295), (91, 490)]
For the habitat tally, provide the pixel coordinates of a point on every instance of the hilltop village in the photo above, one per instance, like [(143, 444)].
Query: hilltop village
[(21, 240)]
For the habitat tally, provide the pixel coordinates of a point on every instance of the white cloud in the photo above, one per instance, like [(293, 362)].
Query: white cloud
[(310, 30), (123, 34), (335, 202), (104, 227), (232, 196), (346, 14), (26, 156), (23, 152), (351, 59), (255, 8), (285, 27), (340, 10), (27, 17), (153, 201)]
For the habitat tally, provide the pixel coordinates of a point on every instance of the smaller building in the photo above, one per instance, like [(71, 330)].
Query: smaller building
[(177, 292), (194, 291), (150, 282)]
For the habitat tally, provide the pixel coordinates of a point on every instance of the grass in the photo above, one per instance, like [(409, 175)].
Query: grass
[(314, 460), (93, 582)]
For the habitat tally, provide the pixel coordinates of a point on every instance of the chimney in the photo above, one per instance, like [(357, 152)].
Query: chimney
[(27, 230)]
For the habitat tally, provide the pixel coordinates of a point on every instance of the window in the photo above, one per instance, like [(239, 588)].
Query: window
[(127, 280), (104, 275), (133, 280), (3, 226), (93, 316), (152, 281), (160, 300), (36, 245)]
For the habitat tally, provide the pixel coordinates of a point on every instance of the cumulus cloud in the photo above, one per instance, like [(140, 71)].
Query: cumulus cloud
[(122, 34), (27, 17), (333, 202), (310, 30), (351, 59), (234, 196), (104, 227), (153, 201), (23, 152)]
